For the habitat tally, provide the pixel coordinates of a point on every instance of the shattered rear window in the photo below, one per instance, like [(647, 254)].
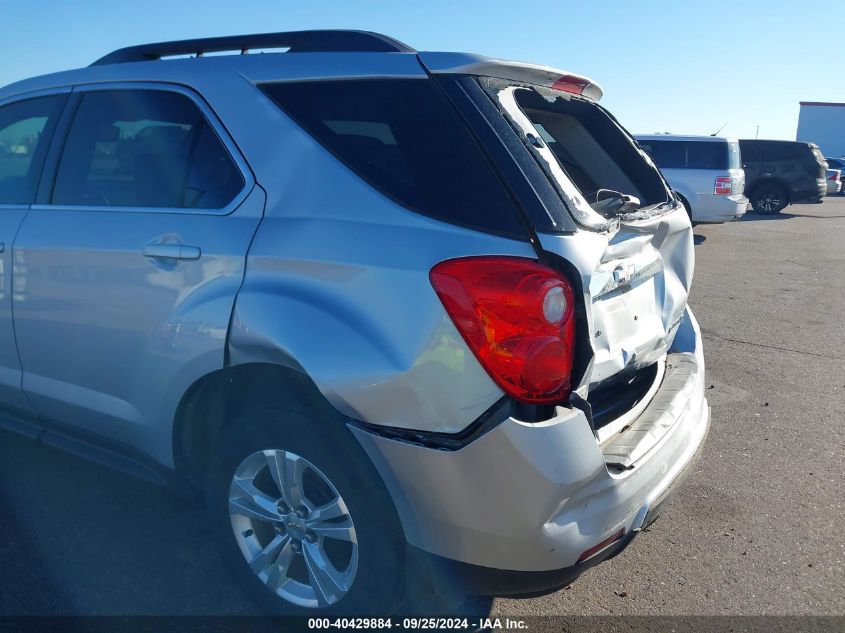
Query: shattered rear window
[(584, 151)]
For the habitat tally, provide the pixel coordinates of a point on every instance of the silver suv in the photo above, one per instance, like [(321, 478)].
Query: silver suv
[(401, 316), (705, 171)]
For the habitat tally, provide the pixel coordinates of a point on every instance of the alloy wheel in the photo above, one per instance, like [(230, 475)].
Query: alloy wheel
[(769, 200), (293, 528)]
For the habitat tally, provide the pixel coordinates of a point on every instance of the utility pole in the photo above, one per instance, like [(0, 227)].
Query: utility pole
[(757, 133)]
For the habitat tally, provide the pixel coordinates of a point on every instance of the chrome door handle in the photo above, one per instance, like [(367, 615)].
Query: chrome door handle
[(172, 251)]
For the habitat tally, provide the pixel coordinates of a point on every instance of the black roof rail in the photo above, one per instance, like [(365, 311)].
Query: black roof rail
[(294, 41)]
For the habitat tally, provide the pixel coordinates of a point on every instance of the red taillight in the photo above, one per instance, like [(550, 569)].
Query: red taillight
[(723, 186), (518, 318), (571, 83), (834, 176)]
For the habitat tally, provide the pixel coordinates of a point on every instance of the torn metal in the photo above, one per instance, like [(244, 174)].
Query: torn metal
[(636, 268)]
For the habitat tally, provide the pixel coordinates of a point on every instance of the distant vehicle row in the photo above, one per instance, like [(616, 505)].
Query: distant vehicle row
[(717, 177)]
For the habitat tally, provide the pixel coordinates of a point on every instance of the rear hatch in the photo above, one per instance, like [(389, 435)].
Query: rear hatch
[(822, 162), (628, 242)]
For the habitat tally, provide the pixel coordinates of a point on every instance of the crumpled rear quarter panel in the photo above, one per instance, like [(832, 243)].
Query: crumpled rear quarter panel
[(337, 284)]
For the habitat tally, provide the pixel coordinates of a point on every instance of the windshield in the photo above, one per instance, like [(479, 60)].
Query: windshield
[(592, 161)]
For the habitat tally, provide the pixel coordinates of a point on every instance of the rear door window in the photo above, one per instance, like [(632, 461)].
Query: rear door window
[(147, 149), (782, 151), (751, 151), (714, 155), (711, 155), (25, 129), (403, 138), (667, 154)]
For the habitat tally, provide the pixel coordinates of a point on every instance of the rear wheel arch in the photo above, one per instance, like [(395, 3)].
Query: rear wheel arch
[(216, 398), (764, 189)]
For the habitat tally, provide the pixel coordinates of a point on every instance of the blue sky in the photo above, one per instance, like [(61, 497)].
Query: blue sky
[(682, 67)]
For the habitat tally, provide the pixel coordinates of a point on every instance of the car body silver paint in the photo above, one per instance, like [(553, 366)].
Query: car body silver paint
[(349, 299), (697, 185), (707, 207), (88, 299), (11, 216), (632, 319), (390, 357), (11, 395), (535, 496), (472, 64), (110, 340), (92, 314)]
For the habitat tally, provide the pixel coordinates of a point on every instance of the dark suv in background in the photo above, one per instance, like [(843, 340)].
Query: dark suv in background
[(778, 173)]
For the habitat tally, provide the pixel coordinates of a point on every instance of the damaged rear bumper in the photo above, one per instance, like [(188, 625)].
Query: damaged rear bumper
[(522, 504)]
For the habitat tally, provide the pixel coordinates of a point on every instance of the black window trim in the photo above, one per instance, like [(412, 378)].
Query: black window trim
[(523, 236), (541, 207), (56, 126), (57, 148)]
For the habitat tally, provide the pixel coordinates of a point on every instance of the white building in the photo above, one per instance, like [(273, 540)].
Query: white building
[(823, 124)]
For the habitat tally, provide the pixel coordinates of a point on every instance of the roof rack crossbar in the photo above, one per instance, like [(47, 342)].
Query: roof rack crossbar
[(294, 41)]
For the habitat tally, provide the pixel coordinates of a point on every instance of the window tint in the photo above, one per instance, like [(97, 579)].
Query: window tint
[(667, 154), (782, 151), (144, 148), (25, 128), (404, 139), (835, 164), (690, 154), (750, 151), (707, 155)]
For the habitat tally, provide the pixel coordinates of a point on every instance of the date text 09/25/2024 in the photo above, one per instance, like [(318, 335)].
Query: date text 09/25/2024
[(417, 623)]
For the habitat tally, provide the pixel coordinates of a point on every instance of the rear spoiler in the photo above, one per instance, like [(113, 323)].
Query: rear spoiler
[(469, 64)]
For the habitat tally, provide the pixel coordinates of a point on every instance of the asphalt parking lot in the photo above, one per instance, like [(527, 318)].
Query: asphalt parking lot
[(757, 529)]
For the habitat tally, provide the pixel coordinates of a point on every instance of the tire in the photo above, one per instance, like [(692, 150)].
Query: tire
[(769, 199), (366, 560)]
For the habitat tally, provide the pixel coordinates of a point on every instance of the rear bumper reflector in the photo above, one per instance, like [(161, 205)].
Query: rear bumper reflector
[(595, 549)]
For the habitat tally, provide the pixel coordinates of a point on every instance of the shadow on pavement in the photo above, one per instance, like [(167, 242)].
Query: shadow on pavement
[(751, 216), (697, 238), (28, 586), (820, 217), (79, 539)]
